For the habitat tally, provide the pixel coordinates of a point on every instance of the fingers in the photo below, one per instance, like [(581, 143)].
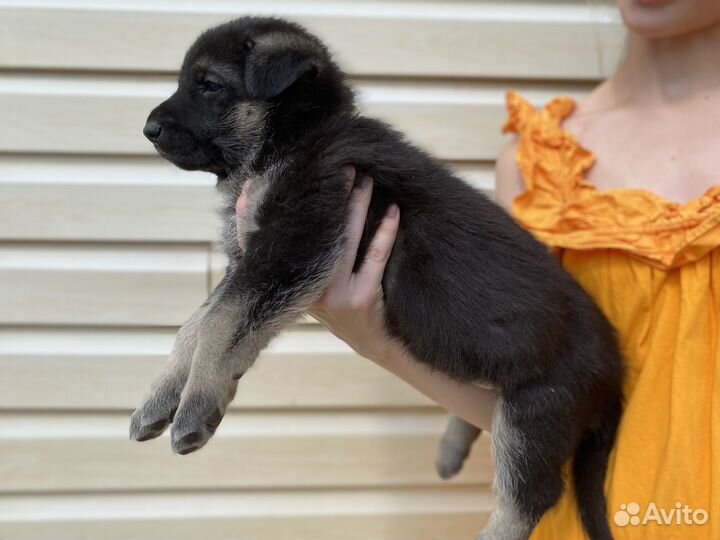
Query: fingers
[(240, 207), (243, 201), (359, 203), (349, 173), (369, 276)]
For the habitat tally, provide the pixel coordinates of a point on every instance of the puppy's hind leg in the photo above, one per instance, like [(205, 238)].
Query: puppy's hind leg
[(528, 475), (455, 446)]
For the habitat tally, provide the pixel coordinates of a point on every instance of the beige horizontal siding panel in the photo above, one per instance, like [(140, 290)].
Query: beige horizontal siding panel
[(479, 175), (94, 114), (131, 198), (73, 369), (104, 198), (91, 452), (450, 513), (528, 39), (101, 284)]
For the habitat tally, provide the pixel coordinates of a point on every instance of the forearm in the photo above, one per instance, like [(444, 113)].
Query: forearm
[(472, 403)]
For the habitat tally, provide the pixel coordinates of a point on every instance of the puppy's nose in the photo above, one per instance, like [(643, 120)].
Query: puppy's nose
[(152, 130)]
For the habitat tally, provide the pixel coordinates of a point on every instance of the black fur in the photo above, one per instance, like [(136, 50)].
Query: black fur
[(467, 291)]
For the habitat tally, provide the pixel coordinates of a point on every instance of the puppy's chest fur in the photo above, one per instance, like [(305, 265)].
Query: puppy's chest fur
[(256, 185)]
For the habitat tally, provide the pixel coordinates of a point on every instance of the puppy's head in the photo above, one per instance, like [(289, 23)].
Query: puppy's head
[(241, 84)]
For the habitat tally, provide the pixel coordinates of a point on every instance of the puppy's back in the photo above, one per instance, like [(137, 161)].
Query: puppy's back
[(462, 271)]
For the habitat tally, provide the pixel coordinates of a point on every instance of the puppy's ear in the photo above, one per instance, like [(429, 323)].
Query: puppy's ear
[(274, 64)]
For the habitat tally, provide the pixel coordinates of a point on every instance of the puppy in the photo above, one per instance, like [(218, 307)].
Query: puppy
[(467, 291)]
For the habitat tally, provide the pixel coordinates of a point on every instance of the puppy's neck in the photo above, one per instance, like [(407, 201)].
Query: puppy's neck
[(303, 111), (288, 136)]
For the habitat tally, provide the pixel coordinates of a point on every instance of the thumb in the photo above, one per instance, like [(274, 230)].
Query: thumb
[(241, 207)]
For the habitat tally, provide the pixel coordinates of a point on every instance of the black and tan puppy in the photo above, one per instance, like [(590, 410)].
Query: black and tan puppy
[(467, 291)]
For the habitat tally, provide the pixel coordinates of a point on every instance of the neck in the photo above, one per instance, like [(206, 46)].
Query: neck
[(669, 69), (296, 126)]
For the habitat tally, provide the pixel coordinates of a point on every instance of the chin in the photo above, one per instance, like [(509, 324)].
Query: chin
[(191, 166), (188, 162), (658, 19)]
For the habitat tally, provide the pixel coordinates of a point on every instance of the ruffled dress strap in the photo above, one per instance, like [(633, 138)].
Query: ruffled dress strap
[(551, 161), (564, 210)]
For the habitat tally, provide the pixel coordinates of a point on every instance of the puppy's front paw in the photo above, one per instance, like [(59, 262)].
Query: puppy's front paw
[(157, 412), (197, 418)]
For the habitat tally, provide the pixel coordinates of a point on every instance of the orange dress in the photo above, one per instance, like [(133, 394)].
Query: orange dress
[(653, 266)]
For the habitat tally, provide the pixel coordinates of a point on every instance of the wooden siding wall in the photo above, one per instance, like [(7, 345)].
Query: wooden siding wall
[(105, 249)]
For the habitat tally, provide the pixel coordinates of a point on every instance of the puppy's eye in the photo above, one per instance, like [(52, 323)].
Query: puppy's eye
[(210, 87)]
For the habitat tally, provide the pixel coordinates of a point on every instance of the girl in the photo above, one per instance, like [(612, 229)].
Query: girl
[(622, 185)]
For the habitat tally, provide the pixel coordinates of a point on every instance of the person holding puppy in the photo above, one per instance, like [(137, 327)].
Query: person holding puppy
[(622, 186)]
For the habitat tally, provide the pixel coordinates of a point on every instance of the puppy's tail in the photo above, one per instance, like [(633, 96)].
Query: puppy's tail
[(589, 465)]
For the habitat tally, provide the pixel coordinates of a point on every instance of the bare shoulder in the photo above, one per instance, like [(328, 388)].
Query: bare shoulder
[(592, 110), (508, 178)]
